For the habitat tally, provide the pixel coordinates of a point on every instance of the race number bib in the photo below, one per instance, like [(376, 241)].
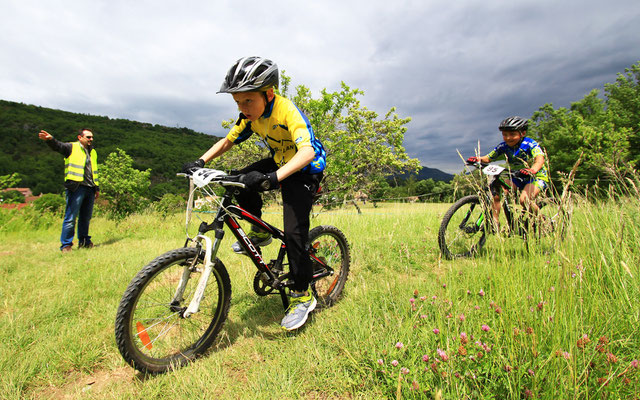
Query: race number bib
[(492, 170)]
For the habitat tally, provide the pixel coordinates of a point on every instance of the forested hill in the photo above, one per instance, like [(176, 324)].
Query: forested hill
[(160, 148)]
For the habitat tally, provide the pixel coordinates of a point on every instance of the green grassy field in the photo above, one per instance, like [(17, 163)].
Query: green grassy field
[(550, 323)]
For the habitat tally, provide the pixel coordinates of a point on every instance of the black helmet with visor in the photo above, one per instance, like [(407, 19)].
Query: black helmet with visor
[(251, 74)]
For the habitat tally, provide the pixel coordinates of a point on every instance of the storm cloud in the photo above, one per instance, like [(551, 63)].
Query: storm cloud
[(455, 68)]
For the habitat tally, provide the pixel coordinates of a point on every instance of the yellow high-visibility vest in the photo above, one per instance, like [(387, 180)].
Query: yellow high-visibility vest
[(74, 164)]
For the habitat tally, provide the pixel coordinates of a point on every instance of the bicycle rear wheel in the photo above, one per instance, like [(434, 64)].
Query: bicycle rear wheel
[(151, 332), (328, 245), (463, 229)]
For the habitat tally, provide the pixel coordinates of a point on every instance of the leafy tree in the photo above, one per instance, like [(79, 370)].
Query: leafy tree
[(8, 181), (623, 103), (361, 147), (123, 186)]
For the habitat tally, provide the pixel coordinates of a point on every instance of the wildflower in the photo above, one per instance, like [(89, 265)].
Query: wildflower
[(603, 340), (516, 331), (462, 317), (404, 370), (444, 285), (415, 292), (583, 341), (443, 356), (434, 297), (635, 363), (462, 351), (477, 307), (528, 394), (485, 328), (394, 363), (540, 305), (612, 358), (498, 310), (529, 330), (463, 338), (449, 315), (415, 386), (552, 289), (457, 375), (481, 293), (380, 361), (423, 298), (412, 300), (492, 304), (436, 331), (468, 291), (508, 368), (423, 316), (566, 355), (399, 345), (425, 358), (530, 372)]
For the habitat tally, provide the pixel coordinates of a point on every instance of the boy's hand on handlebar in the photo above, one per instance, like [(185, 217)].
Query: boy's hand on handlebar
[(473, 160), (187, 168), (260, 182), (527, 172)]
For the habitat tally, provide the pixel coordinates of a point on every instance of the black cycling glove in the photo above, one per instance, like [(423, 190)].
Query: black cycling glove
[(187, 168), (260, 182)]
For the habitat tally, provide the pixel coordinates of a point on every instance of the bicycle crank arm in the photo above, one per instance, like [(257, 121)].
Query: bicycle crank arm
[(210, 250)]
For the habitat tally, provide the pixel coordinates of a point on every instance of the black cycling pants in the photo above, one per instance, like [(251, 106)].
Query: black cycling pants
[(298, 191)]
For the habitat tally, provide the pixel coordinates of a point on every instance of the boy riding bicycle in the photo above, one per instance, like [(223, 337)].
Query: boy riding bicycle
[(296, 165), (522, 154)]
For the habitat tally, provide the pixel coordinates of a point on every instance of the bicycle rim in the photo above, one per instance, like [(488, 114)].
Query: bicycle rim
[(462, 232), (156, 336), (329, 245)]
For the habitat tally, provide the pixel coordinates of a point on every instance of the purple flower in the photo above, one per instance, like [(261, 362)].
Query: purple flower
[(485, 328), (394, 363), (566, 355), (404, 370), (442, 355), (462, 317), (635, 364), (380, 362), (481, 292), (425, 358), (412, 300), (436, 331), (399, 345), (423, 316), (530, 371)]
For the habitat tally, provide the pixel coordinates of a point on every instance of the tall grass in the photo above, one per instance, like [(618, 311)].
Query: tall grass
[(510, 323)]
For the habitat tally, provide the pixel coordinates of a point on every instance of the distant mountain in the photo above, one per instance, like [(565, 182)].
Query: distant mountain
[(428, 173)]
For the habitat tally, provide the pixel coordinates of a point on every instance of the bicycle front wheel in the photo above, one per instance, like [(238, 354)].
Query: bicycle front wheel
[(463, 229), (151, 331), (328, 245)]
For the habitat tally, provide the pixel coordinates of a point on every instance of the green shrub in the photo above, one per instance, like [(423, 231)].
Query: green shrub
[(50, 202), (169, 203), (11, 197)]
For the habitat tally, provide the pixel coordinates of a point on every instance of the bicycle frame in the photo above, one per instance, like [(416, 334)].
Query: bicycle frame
[(228, 214)]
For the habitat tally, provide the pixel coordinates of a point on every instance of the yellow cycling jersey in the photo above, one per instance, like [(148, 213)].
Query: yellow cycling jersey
[(285, 129)]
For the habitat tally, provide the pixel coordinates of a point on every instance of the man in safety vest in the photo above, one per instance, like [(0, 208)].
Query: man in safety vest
[(81, 185)]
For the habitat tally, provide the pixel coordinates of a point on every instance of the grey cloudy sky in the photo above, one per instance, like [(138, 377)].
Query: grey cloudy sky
[(455, 67)]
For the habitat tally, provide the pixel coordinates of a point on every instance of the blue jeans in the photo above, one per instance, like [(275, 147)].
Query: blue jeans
[(79, 206)]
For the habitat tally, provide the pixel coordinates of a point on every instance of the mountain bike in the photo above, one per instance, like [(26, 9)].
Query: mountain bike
[(464, 227), (174, 308)]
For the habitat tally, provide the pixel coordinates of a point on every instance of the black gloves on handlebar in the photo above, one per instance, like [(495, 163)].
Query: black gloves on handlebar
[(260, 182), (473, 160), (187, 168), (526, 172)]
